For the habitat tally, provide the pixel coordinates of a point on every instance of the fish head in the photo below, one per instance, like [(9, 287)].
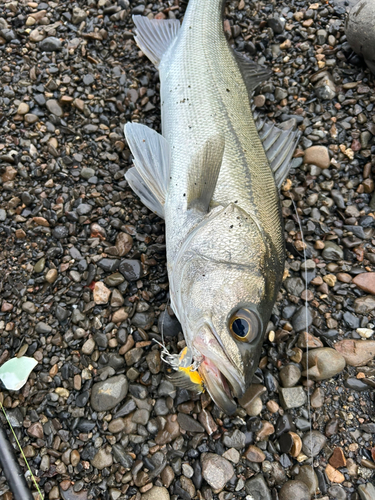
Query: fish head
[(225, 285)]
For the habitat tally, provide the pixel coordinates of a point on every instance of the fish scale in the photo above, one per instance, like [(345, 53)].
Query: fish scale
[(203, 61)]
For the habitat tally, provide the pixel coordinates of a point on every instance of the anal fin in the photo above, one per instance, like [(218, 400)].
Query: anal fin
[(155, 36), (152, 160)]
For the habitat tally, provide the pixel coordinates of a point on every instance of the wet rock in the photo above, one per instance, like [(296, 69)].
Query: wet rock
[(156, 493), (54, 107), (317, 155), (360, 32), (107, 394), (277, 24), (168, 323), (257, 488), (235, 439), (364, 305), (366, 491), (322, 363), (43, 328), (131, 269), (50, 44), (307, 475), (356, 352), (332, 251), (216, 470), (302, 319), (102, 459), (312, 443), (292, 397), (325, 87), (294, 489), (189, 423), (101, 293), (254, 454), (29, 307), (334, 475), (290, 375), (366, 282)]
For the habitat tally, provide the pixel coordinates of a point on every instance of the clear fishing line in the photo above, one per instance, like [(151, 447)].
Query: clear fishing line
[(306, 329)]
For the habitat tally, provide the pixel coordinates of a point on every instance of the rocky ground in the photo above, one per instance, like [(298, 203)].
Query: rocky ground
[(84, 283)]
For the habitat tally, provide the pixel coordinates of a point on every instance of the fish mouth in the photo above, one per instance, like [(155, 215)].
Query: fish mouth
[(222, 379)]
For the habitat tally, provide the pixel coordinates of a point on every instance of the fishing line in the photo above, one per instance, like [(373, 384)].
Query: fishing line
[(16, 478), (307, 330)]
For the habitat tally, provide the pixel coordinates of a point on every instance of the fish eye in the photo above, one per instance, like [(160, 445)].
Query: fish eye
[(244, 325)]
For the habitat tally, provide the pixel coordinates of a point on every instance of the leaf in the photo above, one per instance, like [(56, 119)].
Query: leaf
[(15, 372)]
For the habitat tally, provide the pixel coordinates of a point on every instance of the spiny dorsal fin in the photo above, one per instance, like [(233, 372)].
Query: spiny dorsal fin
[(279, 144), (252, 73), (155, 36), (152, 160), (204, 172)]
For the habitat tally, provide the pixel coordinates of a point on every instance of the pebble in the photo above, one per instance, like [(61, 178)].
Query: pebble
[(356, 352), (317, 155), (307, 475), (312, 443), (107, 394), (334, 475), (257, 488), (101, 293), (102, 459), (216, 470), (294, 489), (292, 397), (366, 491), (290, 375), (254, 454), (50, 44), (156, 493), (366, 282), (323, 363)]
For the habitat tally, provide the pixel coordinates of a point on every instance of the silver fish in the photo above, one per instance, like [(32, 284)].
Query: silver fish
[(213, 175)]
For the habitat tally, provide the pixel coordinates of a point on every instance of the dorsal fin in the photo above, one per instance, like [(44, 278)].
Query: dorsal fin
[(155, 36), (252, 73), (279, 145)]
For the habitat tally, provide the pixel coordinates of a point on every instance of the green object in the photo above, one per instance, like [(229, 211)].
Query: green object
[(15, 372)]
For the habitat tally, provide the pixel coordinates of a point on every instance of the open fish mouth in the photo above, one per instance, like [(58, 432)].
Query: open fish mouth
[(222, 379)]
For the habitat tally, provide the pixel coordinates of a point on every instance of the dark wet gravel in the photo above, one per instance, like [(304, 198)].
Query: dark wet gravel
[(84, 286)]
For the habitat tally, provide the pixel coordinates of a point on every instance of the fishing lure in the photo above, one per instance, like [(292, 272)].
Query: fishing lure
[(186, 373)]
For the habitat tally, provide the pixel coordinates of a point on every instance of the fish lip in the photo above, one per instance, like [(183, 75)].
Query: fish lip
[(222, 379)]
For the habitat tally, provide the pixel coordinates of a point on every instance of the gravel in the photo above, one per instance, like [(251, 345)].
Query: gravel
[(84, 287)]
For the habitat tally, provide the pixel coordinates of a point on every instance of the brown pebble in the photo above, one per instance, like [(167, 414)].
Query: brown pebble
[(356, 352), (337, 458), (366, 282), (255, 454), (334, 475)]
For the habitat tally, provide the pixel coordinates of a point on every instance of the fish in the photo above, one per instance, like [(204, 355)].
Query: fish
[(214, 175)]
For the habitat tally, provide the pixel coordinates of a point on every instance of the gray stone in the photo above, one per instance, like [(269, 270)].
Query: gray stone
[(325, 89), (156, 492), (60, 232), (307, 475), (235, 439), (3, 215), (107, 394), (338, 493), (216, 470), (302, 319), (351, 320), (102, 459), (43, 328), (109, 265), (290, 375), (189, 423), (332, 251), (29, 307), (87, 173), (364, 305), (78, 16), (312, 443), (293, 490), (84, 209), (366, 491), (54, 107), (292, 397), (257, 488), (295, 286), (50, 44), (277, 23), (321, 37)]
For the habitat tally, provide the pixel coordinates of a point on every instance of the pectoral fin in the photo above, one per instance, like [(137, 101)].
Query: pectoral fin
[(204, 172), (152, 160)]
